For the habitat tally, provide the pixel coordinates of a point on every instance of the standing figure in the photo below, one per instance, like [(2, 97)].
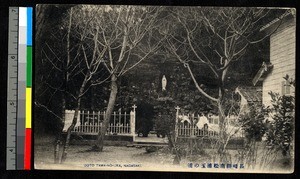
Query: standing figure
[(164, 83), (203, 123)]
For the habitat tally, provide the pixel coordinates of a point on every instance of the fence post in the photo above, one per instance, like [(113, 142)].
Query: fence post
[(114, 118), (120, 116), (88, 122), (81, 119), (132, 121), (125, 122), (192, 124), (176, 122), (69, 114)]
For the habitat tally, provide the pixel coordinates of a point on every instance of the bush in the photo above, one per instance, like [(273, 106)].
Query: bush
[(254, 123), (280, 132)]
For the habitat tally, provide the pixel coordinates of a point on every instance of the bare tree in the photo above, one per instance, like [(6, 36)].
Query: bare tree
[(88, 58), (96, 44), (214, 38), (75, 57), (127, 33), (49, 53)]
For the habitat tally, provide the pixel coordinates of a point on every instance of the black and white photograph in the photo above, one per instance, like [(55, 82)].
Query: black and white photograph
[(164, 88)]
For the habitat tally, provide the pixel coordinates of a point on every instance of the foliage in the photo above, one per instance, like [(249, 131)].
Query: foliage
[(291, 81), (254, 122), (280, 131), (165, 119), (276, 122), (281, 128)]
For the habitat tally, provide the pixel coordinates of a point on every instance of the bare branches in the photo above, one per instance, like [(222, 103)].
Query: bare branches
[(173, 50), (47, 109), (215, 37), (85, 57), (227, 30), (198, 87), (51, 61)]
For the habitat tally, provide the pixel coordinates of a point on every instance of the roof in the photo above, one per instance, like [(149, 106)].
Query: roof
[(262, 72), (277, 21), (251, 94)]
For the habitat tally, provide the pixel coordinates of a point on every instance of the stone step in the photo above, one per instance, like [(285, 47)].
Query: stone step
[(147, 144)]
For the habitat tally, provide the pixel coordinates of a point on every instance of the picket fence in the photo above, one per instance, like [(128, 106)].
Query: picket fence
[(90, 122), (123, 123), (186, 126)]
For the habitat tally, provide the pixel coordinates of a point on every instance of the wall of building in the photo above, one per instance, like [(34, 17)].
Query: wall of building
[(283, 57)]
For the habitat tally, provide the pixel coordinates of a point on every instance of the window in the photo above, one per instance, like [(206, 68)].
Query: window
[(286, 88)]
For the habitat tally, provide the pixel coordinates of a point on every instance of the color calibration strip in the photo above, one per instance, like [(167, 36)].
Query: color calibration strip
[(19, 90), (28, 137), (24, 89)]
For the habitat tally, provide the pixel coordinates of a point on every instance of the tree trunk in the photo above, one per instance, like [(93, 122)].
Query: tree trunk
[(222, 127), (112, 99), (59, 135), (64, 93), (74, 121), (222, 134), (67, 140), (172, 145)]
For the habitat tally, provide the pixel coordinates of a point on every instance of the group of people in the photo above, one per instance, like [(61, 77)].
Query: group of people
[(201, 123)]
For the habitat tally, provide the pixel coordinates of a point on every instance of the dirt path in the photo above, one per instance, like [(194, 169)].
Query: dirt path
[(112, 158)]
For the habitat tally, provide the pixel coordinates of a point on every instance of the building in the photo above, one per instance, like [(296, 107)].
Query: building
[(249, 95), (282, 58)]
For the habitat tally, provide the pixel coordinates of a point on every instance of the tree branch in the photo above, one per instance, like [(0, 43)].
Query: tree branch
[(197, 85), (48, 110)]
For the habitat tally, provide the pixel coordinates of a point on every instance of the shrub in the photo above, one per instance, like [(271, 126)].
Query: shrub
[(254, 123), (280, 132)]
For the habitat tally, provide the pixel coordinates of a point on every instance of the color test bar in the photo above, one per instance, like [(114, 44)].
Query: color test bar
[(24, 89), (27, 158)]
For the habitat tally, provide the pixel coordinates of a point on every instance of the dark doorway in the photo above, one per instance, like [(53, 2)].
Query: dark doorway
[(144, 118)]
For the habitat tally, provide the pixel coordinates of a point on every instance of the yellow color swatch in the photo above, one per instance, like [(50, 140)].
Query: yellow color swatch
[(28, 108)]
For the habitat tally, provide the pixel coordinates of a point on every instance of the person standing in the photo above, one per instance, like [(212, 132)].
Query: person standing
[(203, 123)]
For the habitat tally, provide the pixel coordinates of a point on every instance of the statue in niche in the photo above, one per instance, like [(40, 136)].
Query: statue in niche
[(164, 83)]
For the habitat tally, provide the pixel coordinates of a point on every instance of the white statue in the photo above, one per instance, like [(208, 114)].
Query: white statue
[(164, 83)]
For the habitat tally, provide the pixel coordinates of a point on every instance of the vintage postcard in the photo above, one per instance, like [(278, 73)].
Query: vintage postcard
[(164, 88)]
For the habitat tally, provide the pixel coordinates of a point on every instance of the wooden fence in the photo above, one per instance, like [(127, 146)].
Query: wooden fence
[(186, 126), (90, 122), (187, 130)]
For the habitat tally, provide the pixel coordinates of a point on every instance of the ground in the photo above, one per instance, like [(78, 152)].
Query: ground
[(118, 158), (79, 157)]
